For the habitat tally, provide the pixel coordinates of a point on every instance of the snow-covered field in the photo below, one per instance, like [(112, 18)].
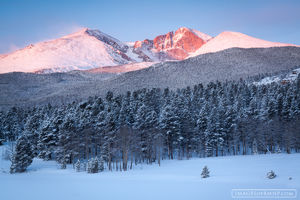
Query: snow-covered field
[(177, 179)]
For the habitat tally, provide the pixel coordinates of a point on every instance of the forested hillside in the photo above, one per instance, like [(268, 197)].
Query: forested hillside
[(148, 125), (27, 89)]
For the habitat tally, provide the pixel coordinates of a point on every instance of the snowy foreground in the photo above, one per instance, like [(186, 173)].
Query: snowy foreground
[(177, 179)]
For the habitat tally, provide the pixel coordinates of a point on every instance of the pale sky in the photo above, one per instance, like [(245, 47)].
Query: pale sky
[(23, 22)]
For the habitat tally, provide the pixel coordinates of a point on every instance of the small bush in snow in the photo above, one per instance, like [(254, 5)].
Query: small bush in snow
[(271, 175), (93, 166), (205, 172), (278, 150)]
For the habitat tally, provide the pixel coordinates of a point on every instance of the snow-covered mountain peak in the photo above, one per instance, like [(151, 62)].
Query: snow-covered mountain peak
[(84, 49), (201, 35), (81, 32), (172, 46), (90, 48), (107, 39), (230, 39), (86, 32)]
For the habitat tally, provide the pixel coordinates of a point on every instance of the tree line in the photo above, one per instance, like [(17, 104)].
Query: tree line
[(149, 125)]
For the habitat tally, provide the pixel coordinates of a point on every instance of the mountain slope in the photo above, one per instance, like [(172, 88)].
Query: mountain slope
[(88, 49), (82, 50), (226, 40), (232, 64), (121, 68)]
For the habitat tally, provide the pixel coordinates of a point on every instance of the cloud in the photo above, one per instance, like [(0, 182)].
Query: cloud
[(13, 47), (68, 29)]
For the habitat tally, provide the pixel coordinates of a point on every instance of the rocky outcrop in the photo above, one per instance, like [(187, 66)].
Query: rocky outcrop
[(172, 46)]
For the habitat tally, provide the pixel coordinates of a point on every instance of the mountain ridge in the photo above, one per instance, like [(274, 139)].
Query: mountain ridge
[(88, 49)]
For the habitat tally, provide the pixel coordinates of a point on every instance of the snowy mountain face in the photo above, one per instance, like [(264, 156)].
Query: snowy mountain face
[(85, 49), (89, 49), (171, 46), (226, 40)]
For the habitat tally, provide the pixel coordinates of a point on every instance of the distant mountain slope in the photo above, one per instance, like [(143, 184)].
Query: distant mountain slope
[(232, 64), (226, 40), (85, 49)]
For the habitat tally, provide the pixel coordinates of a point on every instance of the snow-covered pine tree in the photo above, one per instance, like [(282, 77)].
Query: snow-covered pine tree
[(170, 125), (254, 147), (141, 126), (63, 165), (101, 164), (77, 166), (187, 122), (47, 139), (33, 128), (199, 133), (22, 155), (89, 166), (95, 168), (278, 149), (92, 167), (212, 133), (205, 172), (146, 122)]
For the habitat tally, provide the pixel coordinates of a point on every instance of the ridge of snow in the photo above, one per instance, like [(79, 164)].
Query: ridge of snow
[(130, 44), (228, 39), (201, 35), (107, 39)]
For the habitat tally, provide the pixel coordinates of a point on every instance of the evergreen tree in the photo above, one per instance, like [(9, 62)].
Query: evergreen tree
[(77, 166), (101, 165), (170, 125), (22, 155), (205, 172), (93, 166), (254, 147)]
